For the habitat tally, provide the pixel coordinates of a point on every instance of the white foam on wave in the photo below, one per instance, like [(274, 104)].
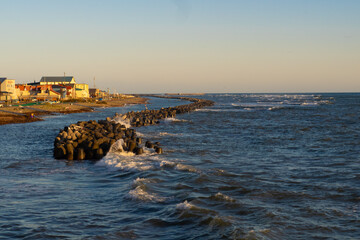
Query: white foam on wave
[(165, 163), (140, 134), (179, 166), (309, 104), (223, 197), (184, 205), (140, 181), (139, 193), (118, 159), (214, 219), (124, 162), (219, 110), (274, 108), (188, 168), (125, 122), (117, 146), (168, 134), (172, 119)]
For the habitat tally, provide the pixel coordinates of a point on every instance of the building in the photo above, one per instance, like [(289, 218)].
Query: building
[(66, 86), (45, 92), (23, 91), (57, 80), (7, 90), (82, 90), (94, 92), (39, 92)]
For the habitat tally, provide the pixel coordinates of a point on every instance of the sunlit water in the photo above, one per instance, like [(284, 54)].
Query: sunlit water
[(253, 166)]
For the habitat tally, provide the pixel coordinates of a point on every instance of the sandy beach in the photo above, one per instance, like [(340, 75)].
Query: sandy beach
[(32, 113)]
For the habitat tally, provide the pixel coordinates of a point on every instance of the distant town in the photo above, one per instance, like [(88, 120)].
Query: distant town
[(49, 88)]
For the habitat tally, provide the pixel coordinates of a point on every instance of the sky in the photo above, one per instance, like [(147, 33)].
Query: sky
[(186, 46)]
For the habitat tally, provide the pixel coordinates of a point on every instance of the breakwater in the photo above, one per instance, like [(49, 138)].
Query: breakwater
[(92, 140)]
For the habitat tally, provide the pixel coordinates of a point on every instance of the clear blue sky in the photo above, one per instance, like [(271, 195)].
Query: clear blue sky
[(147, 46)]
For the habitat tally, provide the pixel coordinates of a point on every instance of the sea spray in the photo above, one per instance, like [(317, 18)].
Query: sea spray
[(92, 140)]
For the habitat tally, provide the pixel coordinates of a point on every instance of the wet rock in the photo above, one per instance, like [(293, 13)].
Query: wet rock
[(131, 146), (80, 154), (158, 150), (93, 139), (139, 151), (59, 152), (99, 153), (149, 144)]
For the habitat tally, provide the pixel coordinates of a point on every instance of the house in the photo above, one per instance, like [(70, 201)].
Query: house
[(57, 80), (66, 86), (82, 90), (7, 90), (103, 94), (94, 92), (23, 91), (45, 92)]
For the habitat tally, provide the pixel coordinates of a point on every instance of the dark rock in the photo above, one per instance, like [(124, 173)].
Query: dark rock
[(80, 154), (59, 152), (70, 156), (99, 153), (93, 139), (158, 150), (139, 151), (69, 148), (131, 146)]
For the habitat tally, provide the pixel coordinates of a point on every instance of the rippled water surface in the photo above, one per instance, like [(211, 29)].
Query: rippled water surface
[(254, 166)]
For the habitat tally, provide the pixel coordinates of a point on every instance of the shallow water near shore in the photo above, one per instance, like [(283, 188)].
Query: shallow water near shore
[(254, 166)]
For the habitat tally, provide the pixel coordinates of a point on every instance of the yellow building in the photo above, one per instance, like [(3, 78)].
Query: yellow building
[(82, 90), (7, 90), (22, 91), (45, 92)]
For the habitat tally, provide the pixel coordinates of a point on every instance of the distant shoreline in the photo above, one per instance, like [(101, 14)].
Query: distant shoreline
[(185, 94), (33, 113)]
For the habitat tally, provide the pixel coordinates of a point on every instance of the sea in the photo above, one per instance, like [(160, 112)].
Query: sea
[(253, 166)]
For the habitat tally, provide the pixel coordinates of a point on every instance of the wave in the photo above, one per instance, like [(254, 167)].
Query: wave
[(220, 110), (138, 181), (206, 216), (179, 166), (222, 197), (188, 168), (185, 206), (169, 134), (117, 159), (274, 102), (140, 193), (125, 122), (172, 119)]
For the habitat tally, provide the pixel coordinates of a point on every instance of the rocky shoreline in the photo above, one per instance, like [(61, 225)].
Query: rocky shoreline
[(92, 140), (33, 113)]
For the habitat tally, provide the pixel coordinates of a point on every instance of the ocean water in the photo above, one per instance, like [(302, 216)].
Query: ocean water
[(253, 166)]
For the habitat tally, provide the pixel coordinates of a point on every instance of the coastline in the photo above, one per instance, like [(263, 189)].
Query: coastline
[(23, 114), (92, 140)]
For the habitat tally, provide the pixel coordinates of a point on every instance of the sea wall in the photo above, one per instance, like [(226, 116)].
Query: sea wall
[(92, 140)]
